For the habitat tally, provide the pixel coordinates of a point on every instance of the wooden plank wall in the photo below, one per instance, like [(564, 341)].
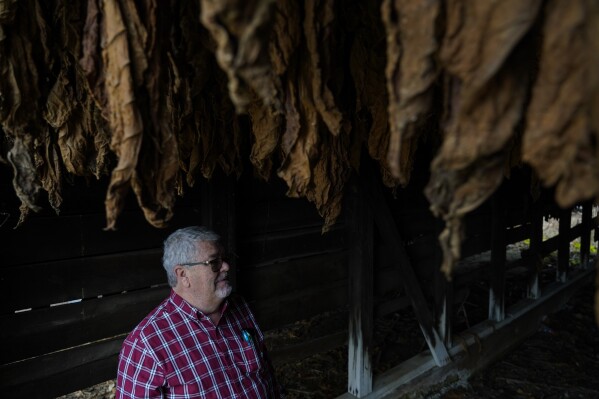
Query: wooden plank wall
[(112, 279), (284, 258)]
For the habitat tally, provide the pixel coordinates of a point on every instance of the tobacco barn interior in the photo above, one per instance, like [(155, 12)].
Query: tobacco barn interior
[(408, 187)]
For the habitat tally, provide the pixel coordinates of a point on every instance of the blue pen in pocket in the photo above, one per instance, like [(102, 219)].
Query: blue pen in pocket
[(247, 337)]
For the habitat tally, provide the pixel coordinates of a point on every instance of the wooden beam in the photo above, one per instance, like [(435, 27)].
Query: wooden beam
[(61, 372), (481, 345), (360, 231), (497, 266), (371, 186), (563, 249)]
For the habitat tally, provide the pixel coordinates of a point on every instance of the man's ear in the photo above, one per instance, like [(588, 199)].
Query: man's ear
[(181, 273)]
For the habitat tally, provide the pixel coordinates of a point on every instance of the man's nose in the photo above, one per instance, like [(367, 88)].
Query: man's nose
[(225, 266)]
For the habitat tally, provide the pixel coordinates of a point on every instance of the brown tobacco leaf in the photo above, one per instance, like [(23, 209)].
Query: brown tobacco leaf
[(485, 96), (159, 158), (7, 12), (23, 49), (320, 40), (561, 140), (209, 132), (267, 120), (266, 128), (315, 163), (298, 143), (241, 29), (410, 72), (367, 66), (25, 179), (286, 35), (91, 60), (479, 37), (124, 118)]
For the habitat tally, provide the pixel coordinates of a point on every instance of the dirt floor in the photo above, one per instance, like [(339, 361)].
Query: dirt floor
[(560, 361)]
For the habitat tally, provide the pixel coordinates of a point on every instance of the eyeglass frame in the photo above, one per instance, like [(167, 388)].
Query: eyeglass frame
[(219, 261)]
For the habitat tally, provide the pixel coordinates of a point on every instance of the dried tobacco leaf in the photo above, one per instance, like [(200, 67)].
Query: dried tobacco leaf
[(315, 163), (159, 158), (25, 178), (124, 117), (298, 143), (23, 50), (267, 120), (485, 97), (367, 65), (410, 72), (241, 30), (561, 140), (285, 36), (7, 13), (319, 16), (266, 128)]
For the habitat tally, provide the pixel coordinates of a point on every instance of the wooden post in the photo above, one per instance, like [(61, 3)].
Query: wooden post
[(443, 297), (585, 238), (536, 257), (359, 224), (563, 249), (497, 272), (384, 220)]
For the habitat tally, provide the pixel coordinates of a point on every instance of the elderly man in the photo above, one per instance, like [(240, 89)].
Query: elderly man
[(199, 342)]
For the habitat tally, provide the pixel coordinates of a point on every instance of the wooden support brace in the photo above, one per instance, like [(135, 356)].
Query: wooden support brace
[(498, 256), (360, 227), (384, 220), (563, 249), (443, 298)]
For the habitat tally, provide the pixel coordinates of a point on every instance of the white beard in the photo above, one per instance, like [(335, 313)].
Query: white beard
[(223, 292)]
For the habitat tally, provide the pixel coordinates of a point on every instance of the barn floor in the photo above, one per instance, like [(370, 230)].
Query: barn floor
[(560, 361)]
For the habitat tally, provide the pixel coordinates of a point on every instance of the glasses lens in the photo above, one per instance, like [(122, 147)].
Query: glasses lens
[(216, 264)]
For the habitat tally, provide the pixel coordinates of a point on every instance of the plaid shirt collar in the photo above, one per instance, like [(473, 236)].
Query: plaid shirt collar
[(190, 311)]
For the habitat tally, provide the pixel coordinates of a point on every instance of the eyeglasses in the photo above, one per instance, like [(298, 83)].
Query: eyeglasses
[(215, 264)]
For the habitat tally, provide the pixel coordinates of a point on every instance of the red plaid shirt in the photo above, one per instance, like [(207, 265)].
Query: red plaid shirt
[(178, 352)]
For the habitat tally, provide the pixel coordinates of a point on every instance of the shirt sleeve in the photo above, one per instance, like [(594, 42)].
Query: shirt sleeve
[(139, 374)]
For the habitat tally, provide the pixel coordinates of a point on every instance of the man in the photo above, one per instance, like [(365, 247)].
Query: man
[(199, 342)]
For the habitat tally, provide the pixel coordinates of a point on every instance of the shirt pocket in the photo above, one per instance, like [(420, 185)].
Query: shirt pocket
[(192, 390), (248, 358)]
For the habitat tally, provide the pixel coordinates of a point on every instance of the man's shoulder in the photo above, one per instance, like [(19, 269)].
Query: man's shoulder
[(152, 323)]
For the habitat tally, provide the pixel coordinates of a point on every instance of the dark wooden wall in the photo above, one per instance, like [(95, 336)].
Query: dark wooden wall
[(111, 279)]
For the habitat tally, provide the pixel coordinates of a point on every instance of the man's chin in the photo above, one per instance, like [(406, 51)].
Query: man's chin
[(223, 289)]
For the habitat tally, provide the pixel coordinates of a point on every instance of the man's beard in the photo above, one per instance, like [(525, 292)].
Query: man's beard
[(223, 292)]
